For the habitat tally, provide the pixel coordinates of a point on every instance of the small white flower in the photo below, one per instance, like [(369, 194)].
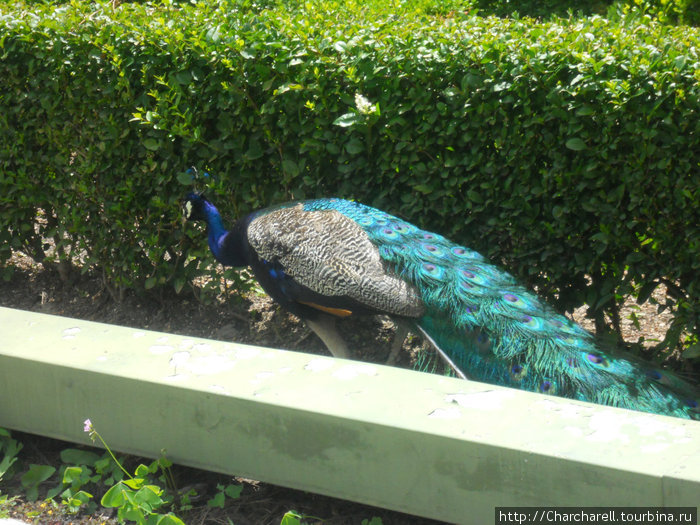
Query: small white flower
[(363, 104)]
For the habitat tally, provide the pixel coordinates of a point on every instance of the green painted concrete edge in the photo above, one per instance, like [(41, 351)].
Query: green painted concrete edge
[(438, 447)]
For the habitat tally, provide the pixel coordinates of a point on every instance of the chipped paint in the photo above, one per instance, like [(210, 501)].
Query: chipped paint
[(319, 365), (179, 358), (70, 333), (160, 349)]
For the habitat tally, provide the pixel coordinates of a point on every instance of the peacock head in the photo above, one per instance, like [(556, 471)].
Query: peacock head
[(193, 206)]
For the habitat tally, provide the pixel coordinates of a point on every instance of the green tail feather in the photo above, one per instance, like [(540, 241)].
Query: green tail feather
[(496, 331)]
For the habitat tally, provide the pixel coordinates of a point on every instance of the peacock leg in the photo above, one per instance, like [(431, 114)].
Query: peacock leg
[(324, 327), (402, 329)]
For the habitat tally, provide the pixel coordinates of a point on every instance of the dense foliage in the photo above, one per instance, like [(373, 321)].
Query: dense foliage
[(564, 148)]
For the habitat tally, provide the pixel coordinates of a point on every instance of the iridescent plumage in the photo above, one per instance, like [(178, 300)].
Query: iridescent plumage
[(322, 257)]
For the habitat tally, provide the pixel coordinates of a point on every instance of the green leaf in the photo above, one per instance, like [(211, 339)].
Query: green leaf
[(183, 77), (115, 496), (287, 87), (37, 474), (601, 237), (142, 471), (185, 178), (72, 456), (9, 456), (291, 518), (33, 477), (217, 501), (163, 462), (354, 147), (71, 475), (424, 189), (102, 464), (255, 150), (233, 491), (179, 283), (290, 167), (346, 120), (80, 498), (169, 519), (149, 495), (151, 144), (575, 144), (134, 483), (475, 196)]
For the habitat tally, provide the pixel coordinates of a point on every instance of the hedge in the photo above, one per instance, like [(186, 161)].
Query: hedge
[(567, 149)]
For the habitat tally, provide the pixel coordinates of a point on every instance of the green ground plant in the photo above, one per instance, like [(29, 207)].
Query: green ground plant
[(147, 496)]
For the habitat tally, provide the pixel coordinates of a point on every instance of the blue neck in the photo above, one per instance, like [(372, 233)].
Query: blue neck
[(216, 233)]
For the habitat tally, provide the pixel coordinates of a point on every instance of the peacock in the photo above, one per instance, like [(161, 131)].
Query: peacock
[(328, 259)]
